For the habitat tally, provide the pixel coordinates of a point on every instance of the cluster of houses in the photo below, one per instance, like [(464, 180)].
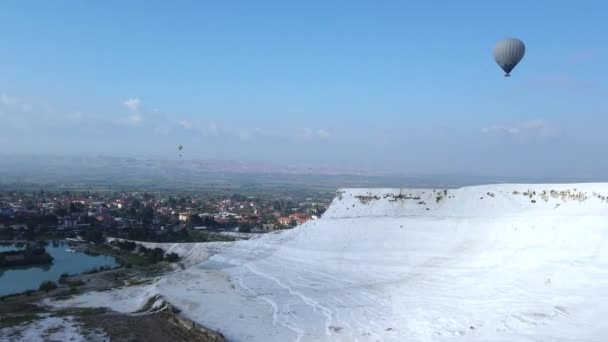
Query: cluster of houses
[(293, 219), (121, 211)]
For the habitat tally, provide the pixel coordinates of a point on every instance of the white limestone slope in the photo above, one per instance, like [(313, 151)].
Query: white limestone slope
[(485, 263)]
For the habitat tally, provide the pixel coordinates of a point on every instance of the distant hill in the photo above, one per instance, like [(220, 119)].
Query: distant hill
[(160, 174)]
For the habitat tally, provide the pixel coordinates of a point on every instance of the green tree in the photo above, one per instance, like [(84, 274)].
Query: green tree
[(93, 235), (136, 234), (7, 233), (47, 286), (209, 222), (172, 257), (245, 227), (147, 215), (76, 207), (195, 221), (232, 221), (131, 212), (61, 212), (164, 219), (29, 234), (126, 245), (49, 219), (172, 202), (156, 255)]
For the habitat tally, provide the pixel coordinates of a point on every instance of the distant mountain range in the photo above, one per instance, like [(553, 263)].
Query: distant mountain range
[(150, 173)]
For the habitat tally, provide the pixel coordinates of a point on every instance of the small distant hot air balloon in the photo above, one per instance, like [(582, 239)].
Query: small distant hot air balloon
[(507, 53), (179, 148)]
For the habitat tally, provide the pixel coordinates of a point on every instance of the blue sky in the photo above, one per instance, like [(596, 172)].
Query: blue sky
[(407, 84)]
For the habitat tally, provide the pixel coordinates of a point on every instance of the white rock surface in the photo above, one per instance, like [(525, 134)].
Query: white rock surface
[(484, 263)]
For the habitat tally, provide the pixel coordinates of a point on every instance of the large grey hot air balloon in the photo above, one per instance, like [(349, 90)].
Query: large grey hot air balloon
[(508, 52)]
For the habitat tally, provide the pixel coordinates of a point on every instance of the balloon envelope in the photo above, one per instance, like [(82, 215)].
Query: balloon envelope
[(508, 52)]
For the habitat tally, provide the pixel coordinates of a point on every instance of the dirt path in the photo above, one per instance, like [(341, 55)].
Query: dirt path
[(156, 327)]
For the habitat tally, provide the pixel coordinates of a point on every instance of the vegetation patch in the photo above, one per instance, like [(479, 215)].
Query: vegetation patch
[(139, 282), (97, 270), (80, 312), (53, 330), (31, 255), (64, 279), (47, 286), (15, 320)]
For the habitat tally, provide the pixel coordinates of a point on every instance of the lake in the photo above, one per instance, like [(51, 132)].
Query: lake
[(19, 279)]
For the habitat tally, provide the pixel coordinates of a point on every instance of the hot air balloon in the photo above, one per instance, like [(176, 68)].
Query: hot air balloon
[(507, 53), (179, 148)]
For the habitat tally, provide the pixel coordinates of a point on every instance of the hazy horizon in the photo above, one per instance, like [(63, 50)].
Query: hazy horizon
[(405, 87), (182, 173)]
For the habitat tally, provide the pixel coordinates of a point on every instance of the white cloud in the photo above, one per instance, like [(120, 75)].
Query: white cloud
[(185, 124), (75, 116), (500, 129), (7, 100), (528, 126), (210, 129), (13, 104), (308, 134), (133, 104), (525, 132), (323, 134), (163, 129), (213, 129), (135, 119), (132, 120), (48, 108), (246, 133), (534, 124)]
